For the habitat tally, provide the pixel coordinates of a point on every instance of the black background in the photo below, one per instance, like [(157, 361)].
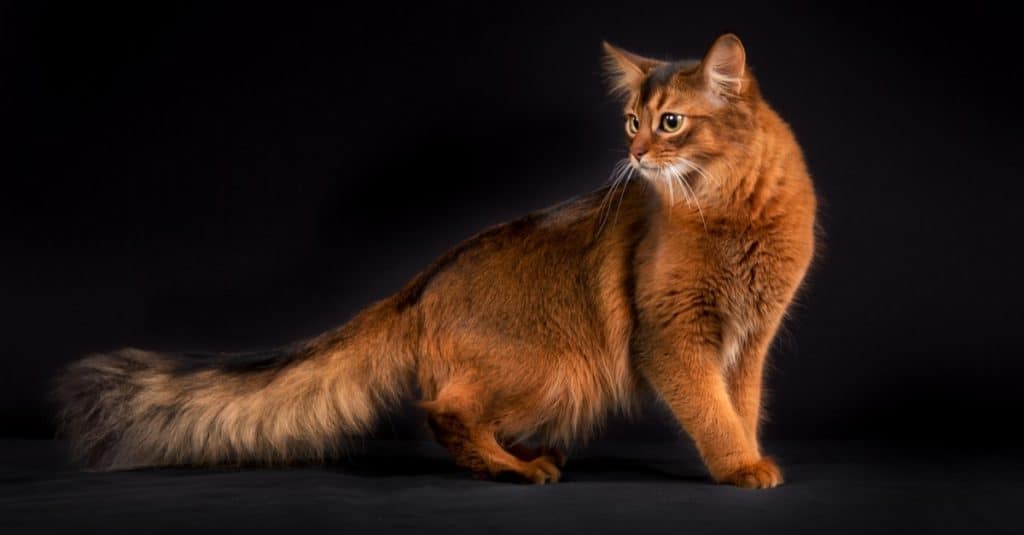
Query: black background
[(234, 177)]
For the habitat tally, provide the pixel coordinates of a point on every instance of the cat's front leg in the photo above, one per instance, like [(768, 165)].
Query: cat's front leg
[(691, 381), (745, 378)]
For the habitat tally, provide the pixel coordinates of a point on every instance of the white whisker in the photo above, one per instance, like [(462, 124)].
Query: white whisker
[(622, 196), (620, 175), (691, 194), (671, 190), (700, 170), (614, 179)]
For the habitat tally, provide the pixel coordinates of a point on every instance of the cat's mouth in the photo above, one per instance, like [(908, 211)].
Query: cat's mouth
[(653, 170), (685, 174)]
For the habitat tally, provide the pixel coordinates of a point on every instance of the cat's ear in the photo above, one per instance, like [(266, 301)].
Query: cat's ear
[(724, 67), (626, 70)]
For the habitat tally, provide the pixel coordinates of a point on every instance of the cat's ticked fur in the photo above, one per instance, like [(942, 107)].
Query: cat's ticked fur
[(674, 280)]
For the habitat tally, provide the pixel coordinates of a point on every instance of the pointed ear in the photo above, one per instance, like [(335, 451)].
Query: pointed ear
[(724, 66), (626, 71)]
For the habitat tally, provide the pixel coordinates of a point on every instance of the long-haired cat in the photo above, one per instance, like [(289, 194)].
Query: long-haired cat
[(533, 331)]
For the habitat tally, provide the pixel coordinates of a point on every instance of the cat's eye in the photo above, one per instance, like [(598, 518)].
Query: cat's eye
[(632, 124), (671, 122)]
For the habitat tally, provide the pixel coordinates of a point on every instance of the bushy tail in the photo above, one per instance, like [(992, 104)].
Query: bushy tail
[(134, 408)]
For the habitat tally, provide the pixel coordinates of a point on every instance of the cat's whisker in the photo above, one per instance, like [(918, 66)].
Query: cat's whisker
[(668, 184), (614, 178), (619, 176), (625, 186), (700, 170), (691, 195), (621, 180), (676, 178)]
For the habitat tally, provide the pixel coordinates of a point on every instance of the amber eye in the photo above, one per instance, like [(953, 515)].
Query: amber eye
[(671, 122), (632, 124)]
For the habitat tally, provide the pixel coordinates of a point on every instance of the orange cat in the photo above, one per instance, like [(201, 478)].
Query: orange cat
[(531, 332)]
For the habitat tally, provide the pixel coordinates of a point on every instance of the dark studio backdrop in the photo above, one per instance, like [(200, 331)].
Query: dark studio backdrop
[(233, 177)]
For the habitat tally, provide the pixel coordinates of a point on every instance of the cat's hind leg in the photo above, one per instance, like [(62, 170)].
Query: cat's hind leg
[(456, 419)]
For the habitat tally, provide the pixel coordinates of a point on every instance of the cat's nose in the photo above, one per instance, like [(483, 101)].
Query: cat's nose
[(638, 152)]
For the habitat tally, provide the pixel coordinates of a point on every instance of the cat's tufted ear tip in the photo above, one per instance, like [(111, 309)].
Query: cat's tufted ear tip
[(625, 69), (725, 66), (729, 39)]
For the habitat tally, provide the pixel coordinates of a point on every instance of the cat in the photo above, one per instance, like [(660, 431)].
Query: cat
[(524, 338)]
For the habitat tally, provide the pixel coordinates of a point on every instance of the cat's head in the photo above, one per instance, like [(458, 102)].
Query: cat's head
[(681, 116)]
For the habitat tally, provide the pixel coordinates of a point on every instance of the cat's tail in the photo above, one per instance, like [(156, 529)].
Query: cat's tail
[(134, 408)]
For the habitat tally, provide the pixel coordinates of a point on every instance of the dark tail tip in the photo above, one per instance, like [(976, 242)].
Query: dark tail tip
[(93, 396)]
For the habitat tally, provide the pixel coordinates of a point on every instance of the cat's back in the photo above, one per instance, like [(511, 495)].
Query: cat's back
[(549, 252)]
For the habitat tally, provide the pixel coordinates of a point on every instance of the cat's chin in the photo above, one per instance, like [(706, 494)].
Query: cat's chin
[(656, 172), (650, 172), (672, 178)]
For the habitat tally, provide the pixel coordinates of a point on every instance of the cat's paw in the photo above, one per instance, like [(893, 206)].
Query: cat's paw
[(764, 474), (542, 470)]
